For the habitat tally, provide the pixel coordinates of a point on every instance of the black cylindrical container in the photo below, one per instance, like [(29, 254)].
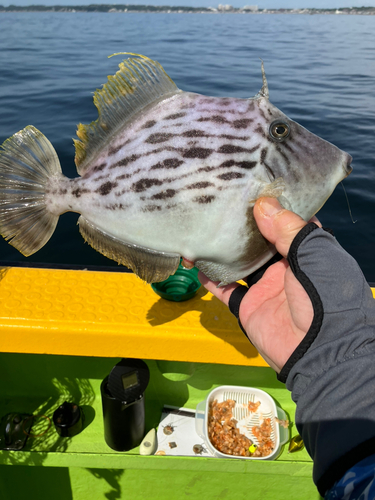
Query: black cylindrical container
[(124, 424), (68, 419)]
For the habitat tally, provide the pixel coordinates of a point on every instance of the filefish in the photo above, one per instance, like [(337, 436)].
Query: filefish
[(165, 174)]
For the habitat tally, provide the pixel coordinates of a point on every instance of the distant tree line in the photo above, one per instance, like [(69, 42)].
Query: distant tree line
[(164, 8), (101, 8)]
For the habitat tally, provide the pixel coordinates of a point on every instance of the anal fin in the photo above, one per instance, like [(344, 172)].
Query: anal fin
[(150, 265)]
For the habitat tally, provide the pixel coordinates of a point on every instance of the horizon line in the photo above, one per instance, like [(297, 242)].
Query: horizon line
[(245, 7)]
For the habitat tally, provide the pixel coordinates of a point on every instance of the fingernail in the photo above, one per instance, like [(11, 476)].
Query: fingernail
[(269, 206)]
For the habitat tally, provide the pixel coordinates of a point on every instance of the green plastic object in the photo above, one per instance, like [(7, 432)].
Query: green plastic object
[(182, 285)]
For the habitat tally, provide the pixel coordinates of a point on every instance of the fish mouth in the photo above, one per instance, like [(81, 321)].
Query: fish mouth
[(348, 165)]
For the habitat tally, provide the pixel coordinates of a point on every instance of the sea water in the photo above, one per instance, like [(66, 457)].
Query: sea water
[(320, 70)]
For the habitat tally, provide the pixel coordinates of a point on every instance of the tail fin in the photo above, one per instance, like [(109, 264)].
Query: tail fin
[(27, 161)]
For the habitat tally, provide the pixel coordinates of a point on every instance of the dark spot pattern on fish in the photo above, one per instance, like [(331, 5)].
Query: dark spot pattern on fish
[(149, 124), (123, 176), (259, 130), (204, 199), (214, 118), (151, 208), (61, 191), (206, 169), (224, 101), (158, 138), (241, 164), (228, 163), (229, 149), (167, 163), (242, 123), (200, 185), (144, 184), (228, 176), (164, 195), (201, 153), (218, 111), (117, 206), (114, 150), (200, 133), (262, 112), (125, 161), (232, 137), (99, 178), (247, 164), (106, 188), (281, 152), (207, 100), (99, 168), (188, 105), (263, 155), (156, 151), (287, 145), (78, 192), (194, 133), (175, 116)]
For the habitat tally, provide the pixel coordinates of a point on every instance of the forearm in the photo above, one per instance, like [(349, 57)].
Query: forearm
[(336, 416), (332, 372)]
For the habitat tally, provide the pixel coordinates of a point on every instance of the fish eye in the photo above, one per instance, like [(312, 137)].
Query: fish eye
[(279, 131)]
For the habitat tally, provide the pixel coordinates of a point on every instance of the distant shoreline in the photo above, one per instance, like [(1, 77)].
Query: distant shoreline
[(128, 8)]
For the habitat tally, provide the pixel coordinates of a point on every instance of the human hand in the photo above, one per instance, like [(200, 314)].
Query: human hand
[(276, 312)]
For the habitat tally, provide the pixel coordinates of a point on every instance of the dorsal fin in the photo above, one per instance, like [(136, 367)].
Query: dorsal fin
[(264, 90), (139, 82)]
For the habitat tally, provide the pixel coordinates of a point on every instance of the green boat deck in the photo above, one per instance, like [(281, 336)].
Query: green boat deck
[(83, 467), (41, 365)]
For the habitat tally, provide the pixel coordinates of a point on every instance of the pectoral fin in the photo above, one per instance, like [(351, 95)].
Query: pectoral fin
[(270, 189), (150, 265), (273, 189)]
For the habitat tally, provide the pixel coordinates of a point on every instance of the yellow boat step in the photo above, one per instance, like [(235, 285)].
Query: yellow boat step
[(106, 314)]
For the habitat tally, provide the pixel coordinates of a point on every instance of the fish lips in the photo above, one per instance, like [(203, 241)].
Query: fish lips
[(348, 165)]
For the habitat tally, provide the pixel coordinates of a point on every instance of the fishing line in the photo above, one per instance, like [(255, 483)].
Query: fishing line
[(347, 201)]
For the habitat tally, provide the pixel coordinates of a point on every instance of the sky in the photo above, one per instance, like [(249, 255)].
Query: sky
[(262, 4)]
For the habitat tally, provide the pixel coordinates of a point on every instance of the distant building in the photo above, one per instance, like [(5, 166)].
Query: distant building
[(251, 8), (224, 8)]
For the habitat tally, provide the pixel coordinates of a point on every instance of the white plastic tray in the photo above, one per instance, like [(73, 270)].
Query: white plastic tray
[(246, 420)]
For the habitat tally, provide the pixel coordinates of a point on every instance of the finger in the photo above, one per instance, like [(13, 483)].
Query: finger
[(222, 293), (316, 221), (278, 225)]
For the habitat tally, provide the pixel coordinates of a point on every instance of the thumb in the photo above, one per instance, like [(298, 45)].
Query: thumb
[(278, 225)]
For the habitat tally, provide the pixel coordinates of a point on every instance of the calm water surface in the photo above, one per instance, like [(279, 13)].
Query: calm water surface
[(320, 70)]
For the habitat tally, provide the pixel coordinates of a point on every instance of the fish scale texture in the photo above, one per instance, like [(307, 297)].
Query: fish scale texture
[(114, 314)]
